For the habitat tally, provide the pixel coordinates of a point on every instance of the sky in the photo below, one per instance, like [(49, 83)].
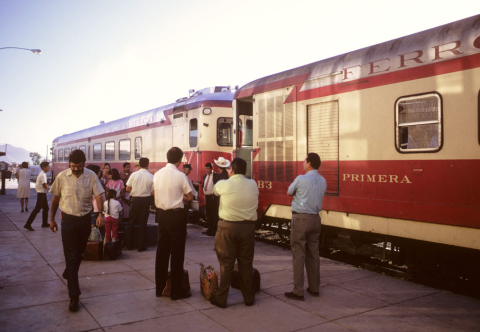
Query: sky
[(107, 59)]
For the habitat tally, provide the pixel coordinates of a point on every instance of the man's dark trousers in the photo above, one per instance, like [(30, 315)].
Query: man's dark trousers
[(75, 233), (210, 210), (139, 211), (42, 203), (172, 234)]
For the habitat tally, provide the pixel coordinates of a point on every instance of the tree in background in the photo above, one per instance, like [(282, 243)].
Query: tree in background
[(36, 158)]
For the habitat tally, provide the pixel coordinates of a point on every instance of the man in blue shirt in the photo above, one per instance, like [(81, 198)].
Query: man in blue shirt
[(307, 191)]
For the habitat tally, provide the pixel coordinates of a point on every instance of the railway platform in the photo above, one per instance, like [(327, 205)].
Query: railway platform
[(119, 295)]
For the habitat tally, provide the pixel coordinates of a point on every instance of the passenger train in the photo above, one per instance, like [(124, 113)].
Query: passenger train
[(201, 125), (397, 128)]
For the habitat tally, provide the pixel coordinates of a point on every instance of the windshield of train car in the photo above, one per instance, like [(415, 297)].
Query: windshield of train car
[(225, 131)]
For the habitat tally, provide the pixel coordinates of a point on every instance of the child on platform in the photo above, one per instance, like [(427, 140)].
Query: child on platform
[(112, 210)]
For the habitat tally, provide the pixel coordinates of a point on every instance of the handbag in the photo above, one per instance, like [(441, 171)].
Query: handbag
[(208, 281), (167, 291), (95, 235)]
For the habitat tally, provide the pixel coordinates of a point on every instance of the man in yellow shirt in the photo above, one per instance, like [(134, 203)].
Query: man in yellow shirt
[(235, 237)]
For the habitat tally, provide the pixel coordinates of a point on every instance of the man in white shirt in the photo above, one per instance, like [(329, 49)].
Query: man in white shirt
[(187, 168), (72, 192), (171, 190), (139, 185), (235, 238), (209, 180), (41, 187)]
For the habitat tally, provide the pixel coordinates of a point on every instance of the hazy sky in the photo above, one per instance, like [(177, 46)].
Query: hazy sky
[(107, 59)]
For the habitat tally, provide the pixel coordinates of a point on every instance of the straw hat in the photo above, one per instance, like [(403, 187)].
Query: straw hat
[(222, 162)]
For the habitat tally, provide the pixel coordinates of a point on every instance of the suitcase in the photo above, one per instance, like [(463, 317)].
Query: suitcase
[(152, 235), (235, 283), (94, 251), (112, 250), (167, 291)]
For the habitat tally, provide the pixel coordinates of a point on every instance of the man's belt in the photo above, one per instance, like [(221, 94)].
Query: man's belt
[(310, 214), (243, 222)]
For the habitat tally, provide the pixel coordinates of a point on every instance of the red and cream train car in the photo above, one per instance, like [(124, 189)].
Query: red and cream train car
[(397, 128), (201, 125)]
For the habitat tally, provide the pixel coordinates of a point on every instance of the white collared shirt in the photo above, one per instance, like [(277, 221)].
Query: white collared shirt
[(41, 179), (141, 183), (76, 193), (208, 185), (194, 192), (170, 185)]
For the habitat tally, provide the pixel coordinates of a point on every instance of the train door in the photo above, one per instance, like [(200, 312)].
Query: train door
[(178, 135), (244, 133), (322, 138)]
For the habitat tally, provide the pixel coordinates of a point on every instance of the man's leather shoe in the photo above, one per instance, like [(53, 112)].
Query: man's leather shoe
[(316, 294), (73, 306), (185, 295), (294, 296), (249, 304), (206, 233), (215, 303), (142, 249), (29, 228), (45, 225)]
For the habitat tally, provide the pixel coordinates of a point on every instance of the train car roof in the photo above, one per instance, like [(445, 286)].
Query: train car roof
[(220, 96), (358, 63)]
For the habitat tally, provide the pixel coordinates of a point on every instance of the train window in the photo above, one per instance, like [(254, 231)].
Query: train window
[(97, 151), (247, 129), (110, 151), (419, 123), (60, 155), (88, 154), (225, 131), (67, 154), (83, 148), (124, 149), (74, 148), (138, 147), (193, 133)]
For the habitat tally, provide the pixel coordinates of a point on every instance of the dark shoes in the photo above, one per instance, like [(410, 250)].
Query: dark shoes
[(294, 296), (73, 306), (206, 233), (249, 304), (26, 209), (316, 294), (45, 225), (143, 249), (28, 227), (185, 295), (126, 248), (215, 303)]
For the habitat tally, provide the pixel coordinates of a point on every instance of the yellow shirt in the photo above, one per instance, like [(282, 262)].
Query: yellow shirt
[(76, 193), (238, 198)]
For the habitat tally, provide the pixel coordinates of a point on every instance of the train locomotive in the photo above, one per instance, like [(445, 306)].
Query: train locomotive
[(200, 124)]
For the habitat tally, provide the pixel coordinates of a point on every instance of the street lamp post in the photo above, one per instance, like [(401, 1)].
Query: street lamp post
[(34, 50)]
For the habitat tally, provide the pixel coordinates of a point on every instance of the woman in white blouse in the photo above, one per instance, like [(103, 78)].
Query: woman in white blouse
[(23, 191)]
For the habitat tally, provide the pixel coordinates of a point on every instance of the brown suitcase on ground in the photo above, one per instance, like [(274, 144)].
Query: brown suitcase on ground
[(94, 251), (235, 283), (167, 291)]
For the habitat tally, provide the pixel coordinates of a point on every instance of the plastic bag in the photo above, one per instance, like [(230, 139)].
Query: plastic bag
[(208, 281), (95, 235)]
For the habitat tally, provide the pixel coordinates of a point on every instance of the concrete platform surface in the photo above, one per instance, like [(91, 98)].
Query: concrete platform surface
[(120, 295)]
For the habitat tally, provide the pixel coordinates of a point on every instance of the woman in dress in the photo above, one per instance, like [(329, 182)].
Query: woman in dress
[(117, 184), (23, 191), (106, 173)]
